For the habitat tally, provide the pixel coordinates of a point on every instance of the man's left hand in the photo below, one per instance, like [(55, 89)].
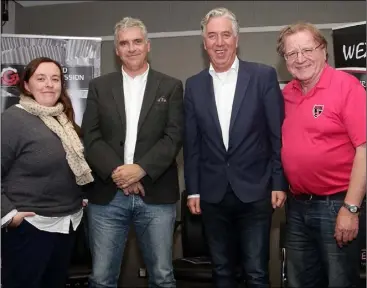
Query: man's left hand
[(278, 198), (128, 174), (136, 188), (347, 226)]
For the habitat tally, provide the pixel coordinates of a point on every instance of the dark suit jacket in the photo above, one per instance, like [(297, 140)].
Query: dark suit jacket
[(252, 163), (159, 138)]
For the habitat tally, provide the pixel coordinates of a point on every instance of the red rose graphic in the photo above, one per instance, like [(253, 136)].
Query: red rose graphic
[(9, 77)]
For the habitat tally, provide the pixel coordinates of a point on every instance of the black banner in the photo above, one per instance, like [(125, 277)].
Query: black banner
[(350, 46), (350, 56), (350, 50)]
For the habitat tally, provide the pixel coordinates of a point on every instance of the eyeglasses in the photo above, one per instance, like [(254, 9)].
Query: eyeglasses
[(307, 53)]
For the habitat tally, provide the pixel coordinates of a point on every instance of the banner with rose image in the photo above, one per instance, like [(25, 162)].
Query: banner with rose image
[(80, 58)]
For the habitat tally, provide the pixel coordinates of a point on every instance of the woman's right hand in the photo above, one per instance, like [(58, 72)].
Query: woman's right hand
[(18, 218)]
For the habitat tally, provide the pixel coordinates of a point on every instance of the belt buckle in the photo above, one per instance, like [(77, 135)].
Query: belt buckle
[(310, 197)]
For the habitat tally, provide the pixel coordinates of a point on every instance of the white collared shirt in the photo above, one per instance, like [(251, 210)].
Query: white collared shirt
[(224, 89), (49, 224), (134, 88)]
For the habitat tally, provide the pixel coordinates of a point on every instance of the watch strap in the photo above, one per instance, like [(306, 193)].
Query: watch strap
[(351, 208)]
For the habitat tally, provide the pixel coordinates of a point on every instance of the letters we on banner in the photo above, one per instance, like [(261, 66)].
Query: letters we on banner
[(350, 50)]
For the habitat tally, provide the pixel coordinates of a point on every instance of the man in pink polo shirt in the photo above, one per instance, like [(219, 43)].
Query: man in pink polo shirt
[(324, 159)]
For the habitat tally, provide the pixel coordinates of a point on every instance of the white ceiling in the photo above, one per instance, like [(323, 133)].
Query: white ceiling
[(43, 3)]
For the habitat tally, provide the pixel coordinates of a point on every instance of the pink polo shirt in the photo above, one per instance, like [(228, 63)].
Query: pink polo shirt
[(321, 131)]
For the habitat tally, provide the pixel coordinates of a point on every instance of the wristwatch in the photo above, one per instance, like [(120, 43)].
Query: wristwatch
[(351, 208)]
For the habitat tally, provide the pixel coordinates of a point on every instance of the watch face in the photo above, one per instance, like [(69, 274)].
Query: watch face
[(353, 209)]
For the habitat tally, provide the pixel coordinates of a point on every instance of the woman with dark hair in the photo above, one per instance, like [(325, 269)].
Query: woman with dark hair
[(43, 170)]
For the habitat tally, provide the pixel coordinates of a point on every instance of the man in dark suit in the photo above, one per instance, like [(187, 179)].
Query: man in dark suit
[(133, 126), (232, 141)]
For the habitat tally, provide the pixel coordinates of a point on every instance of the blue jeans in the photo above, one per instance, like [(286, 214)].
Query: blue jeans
[(109, 226), (313, 257)]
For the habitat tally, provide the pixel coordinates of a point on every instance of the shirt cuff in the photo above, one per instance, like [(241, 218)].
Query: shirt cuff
[(8, 217), (193, 196)]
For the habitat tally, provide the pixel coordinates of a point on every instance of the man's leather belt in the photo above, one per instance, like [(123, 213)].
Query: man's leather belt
[(305, 197)]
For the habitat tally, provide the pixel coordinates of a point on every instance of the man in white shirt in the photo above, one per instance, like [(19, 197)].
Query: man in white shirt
[(233, 116), (133, 126)]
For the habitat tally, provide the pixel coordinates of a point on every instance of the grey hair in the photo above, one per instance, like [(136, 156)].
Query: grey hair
[(129, 22), (220, 12)]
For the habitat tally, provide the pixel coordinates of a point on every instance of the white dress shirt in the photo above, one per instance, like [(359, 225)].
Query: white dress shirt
[(224, 89), (134, 88), (49, 224)]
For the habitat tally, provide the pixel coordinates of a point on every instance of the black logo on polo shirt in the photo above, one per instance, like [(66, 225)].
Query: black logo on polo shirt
[(317, 110)]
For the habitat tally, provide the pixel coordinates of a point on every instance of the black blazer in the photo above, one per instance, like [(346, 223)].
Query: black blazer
[(252, 163), (159, 138)]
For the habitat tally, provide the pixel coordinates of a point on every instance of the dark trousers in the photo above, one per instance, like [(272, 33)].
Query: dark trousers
[(313, 257), (32, 258), (238, 232)]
